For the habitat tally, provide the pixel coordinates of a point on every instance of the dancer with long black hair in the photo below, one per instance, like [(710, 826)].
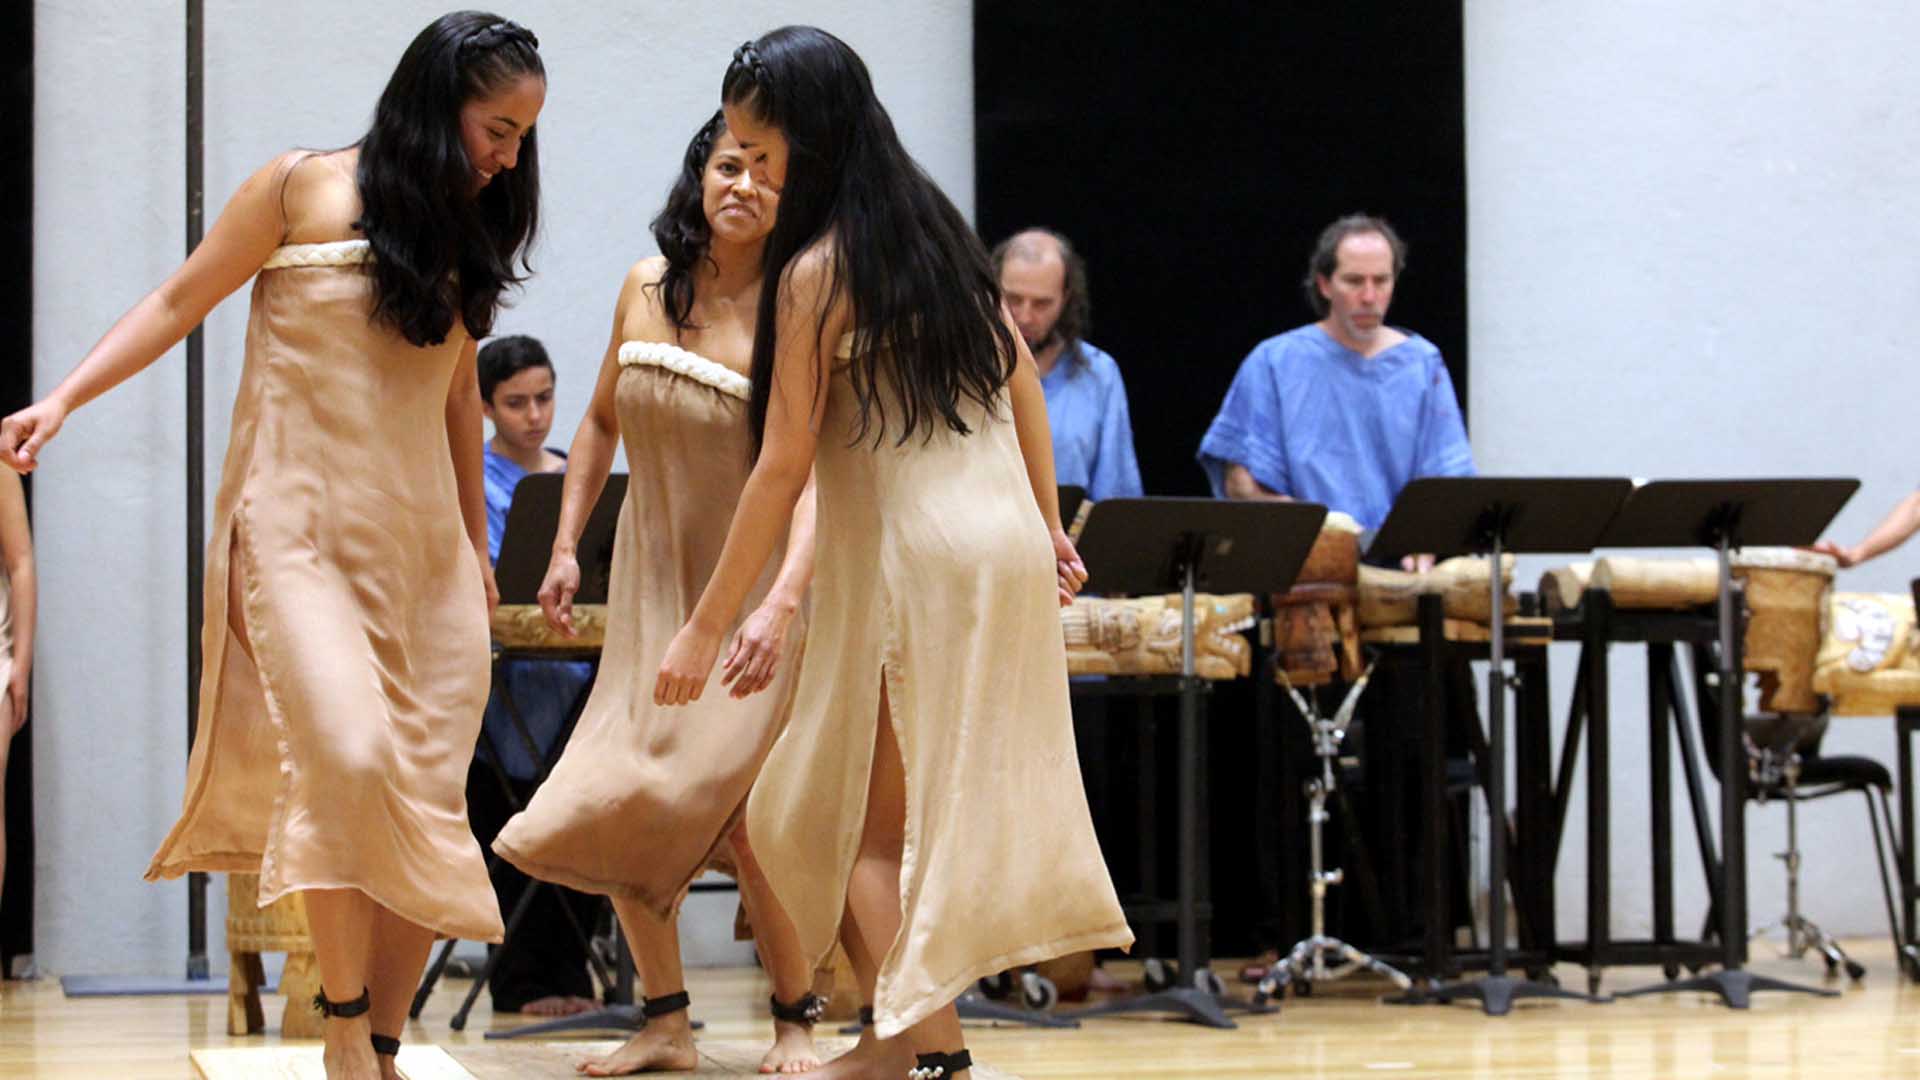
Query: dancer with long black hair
[(347, 589), (927, 786), (645, 797)]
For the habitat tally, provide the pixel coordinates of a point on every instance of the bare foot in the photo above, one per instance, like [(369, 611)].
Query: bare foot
[(348, 1050), (792, 1051), (870, 1059), (556, 1005), (664, 1045), (389, 1069)]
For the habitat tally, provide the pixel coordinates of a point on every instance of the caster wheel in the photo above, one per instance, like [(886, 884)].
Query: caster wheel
[(1206, 981), (1038, 992), (1303, 988), (1856, 970), (1831, 964), (1671, 971), (997, 987), (1266, 990), (1157, 975)]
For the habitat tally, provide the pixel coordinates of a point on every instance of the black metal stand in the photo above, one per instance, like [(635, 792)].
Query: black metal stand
[(1907, 726), (1724, 515), (1496, 516), (1306, 962), (1140, 546), (1597, 626)]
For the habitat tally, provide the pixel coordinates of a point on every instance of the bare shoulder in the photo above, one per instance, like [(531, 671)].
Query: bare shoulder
[(639, 311), (811, 282), (319, 195), (813, 269), (642, 276)]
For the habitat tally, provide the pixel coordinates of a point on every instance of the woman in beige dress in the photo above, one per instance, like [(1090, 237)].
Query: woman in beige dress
[(17, 594), (928, 785), (346, 656), (644, 797)]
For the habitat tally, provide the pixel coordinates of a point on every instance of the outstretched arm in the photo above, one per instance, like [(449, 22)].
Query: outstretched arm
[(806, 341), (1900, 524), (245, 233)]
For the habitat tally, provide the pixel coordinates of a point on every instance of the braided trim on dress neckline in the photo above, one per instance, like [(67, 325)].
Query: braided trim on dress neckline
[(331, 253), (685, 362)]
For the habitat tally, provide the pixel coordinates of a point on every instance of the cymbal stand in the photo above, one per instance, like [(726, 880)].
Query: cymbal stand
[(1307, 960)]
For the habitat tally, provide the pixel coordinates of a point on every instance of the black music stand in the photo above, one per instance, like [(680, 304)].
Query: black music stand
[(1496, 516), (526, 540), (1150, 545), (1723, 515)]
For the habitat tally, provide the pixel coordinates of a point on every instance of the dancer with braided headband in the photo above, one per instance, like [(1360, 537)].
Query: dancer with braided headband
[(927, 786), (347, 587), (644, 796)]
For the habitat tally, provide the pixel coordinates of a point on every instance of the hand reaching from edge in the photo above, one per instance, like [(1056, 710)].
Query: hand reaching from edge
[(25, 432)]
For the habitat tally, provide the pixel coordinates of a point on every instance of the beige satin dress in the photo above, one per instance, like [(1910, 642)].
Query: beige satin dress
[(339, 706), (934, 575), (643, 795)]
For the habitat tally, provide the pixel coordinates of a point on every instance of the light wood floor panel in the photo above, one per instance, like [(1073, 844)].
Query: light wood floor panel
[(1870, 1031)]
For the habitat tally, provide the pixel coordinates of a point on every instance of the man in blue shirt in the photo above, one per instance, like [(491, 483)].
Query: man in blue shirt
[(1345, 411), (1044, 283), (545, 972)]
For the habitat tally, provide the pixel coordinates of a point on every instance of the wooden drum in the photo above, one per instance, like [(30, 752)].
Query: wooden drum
[(1315, 632), (1786, 596)]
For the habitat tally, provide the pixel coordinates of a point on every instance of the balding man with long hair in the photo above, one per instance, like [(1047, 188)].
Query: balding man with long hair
[(1044, 283)]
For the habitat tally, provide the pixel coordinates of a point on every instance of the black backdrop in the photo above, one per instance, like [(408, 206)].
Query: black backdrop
[(1193, 152), (16, 383)]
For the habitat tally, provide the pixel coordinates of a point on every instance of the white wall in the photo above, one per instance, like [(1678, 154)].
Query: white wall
[(628, 84), (1692, 233)]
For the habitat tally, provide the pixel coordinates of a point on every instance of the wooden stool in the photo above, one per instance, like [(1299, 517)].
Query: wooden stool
[(279, 927)]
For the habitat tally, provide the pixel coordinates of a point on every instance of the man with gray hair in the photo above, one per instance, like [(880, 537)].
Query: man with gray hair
[(1044, 283), (1345, 411)]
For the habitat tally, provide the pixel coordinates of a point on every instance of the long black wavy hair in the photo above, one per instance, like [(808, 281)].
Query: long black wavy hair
[(925, 299), (440, 252), (681, 229)]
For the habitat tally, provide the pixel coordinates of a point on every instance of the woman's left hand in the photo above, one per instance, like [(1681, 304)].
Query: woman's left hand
[(684, 671), (1073, 572), (755, 655)]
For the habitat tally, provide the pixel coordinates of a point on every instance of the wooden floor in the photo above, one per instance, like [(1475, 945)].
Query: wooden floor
[(1872, 1030)]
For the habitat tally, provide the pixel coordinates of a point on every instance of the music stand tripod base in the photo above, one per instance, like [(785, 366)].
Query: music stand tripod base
[(1495, 516), (1142, 546), (1723, 515), (974, 1005)]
